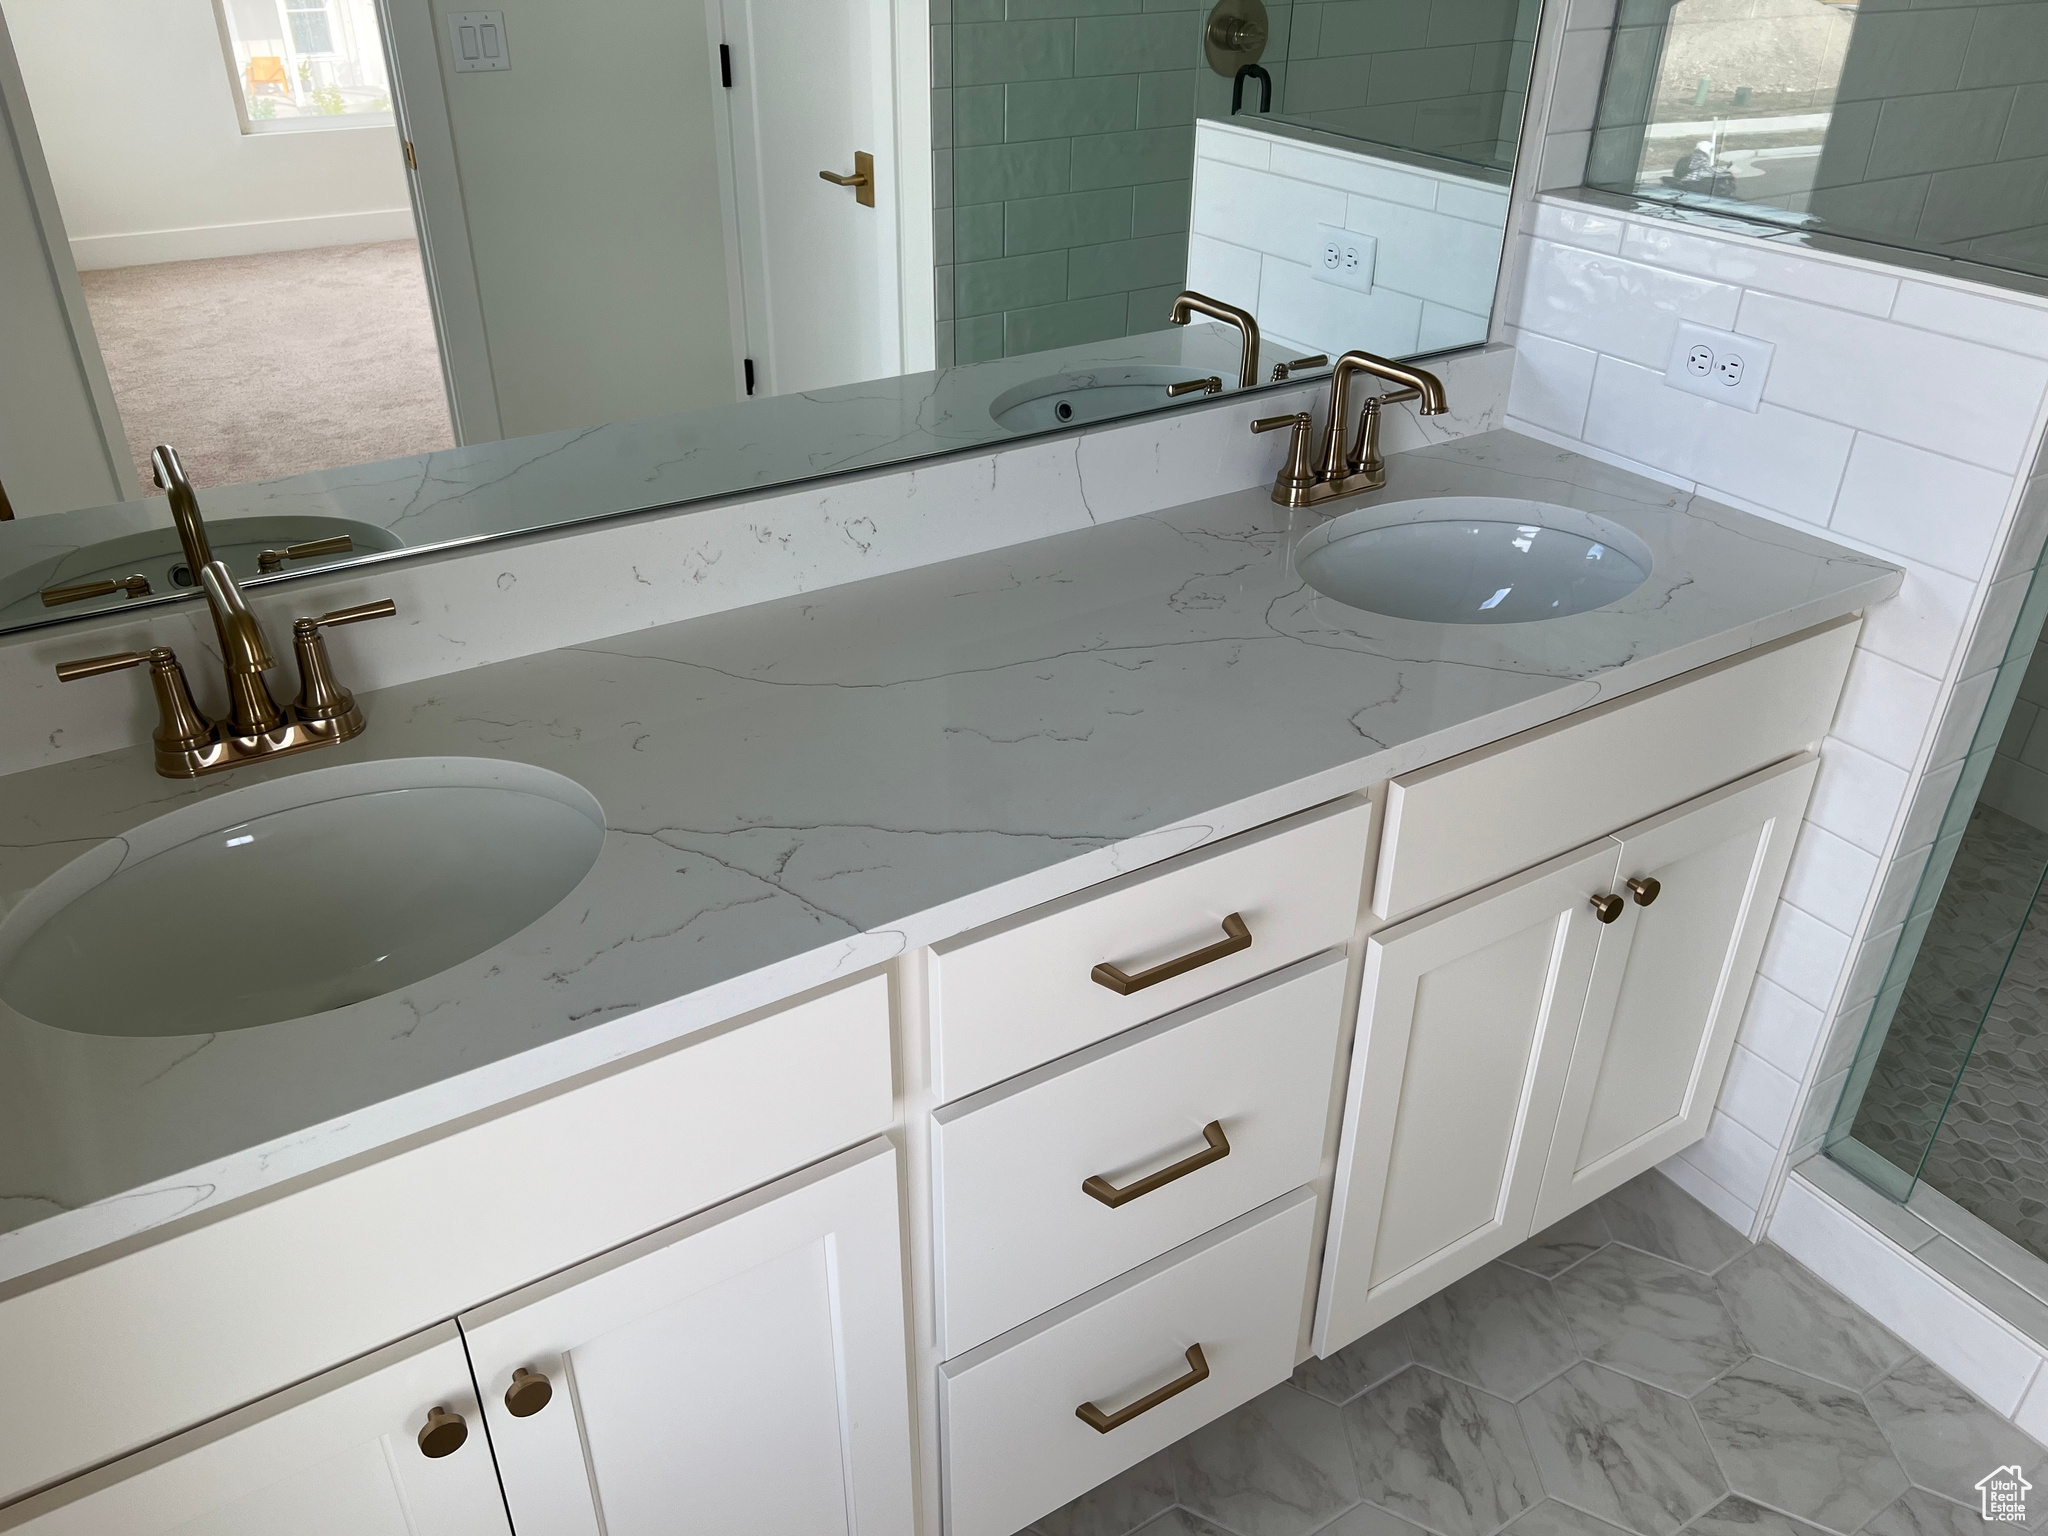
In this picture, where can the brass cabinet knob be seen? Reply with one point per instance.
(529, 1393)
(1607, 908)
(1645, 890)
(443, 1433)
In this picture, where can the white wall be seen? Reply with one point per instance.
(1258, 199)
(137, 114)
(590, 185)
(61, 443)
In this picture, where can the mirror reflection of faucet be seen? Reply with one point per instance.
(1191, 303)
(1334, 472)
(187, 743)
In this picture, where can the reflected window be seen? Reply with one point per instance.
(1913, 125)
(306, 64)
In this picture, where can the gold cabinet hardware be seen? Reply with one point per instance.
(529, 1393)
(134, 586)
(1295, 485)
(1236, 937)
(1102, 1423)
(1217, 1149)
(273, 559)
(862, 180)
(1607, 908)
(1282, 371)
(1645, 890)
(1213, 385)
(443, 1433)
(1190, 304)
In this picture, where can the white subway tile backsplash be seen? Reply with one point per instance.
(1994, 624)
(1737, 1159)
(1217, 266)
(1293, 304)
(1895, 892)
(1353, 173)
(1570, 225)
(1776, 458)
(1252, 150)
(1896, 381)
(1753, 264)
(1482, 205)
(1552, 383)
(1857, 795)
(1959, 722)
(1257, 209)
(1930, 803)
(1830, 877)
(1780, 1028)
(1737, 1213)
(1758, 1097)
(1886, 709)
(1921, 625)
(1621, 308)
(1920, 504)
(1804, 955)
(1422, 252)
(1998, 322)
(1444, 327)
(2029, 529)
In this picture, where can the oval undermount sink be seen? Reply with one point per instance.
(1094, 394)
(1473, 560)
(297, 896)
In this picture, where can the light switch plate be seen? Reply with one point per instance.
(476, 41)
(1343, 257)
(1719, 365)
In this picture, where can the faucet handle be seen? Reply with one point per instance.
(1297, 477)
(134, 586)
(320, 696)
(1283, 371)
(180, 728)
(1212, 385)
(273, 559)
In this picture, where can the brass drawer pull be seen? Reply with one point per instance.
(1218, 1149)
(1606, 908)
(1237, 937)
(1102, 1423)
(1645, 891)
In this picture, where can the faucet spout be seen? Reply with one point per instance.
(1191, 303)
(169, 475)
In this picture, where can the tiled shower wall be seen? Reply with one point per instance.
(1065, 140)
(2018, 781)
(1850, 438)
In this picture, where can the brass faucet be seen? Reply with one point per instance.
(1191, 303)
(187, 743)
(1334, 471)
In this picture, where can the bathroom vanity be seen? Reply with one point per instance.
(1019, 1008)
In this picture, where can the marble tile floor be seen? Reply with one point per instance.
(1640, 1369)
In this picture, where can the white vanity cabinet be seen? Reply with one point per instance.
(739, 1374)
(340, 1455)
(1525, 1049)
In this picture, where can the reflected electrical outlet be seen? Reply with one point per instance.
(1343, 257)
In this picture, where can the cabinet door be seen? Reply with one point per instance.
(1671, 981)
(742, 1373)
(339, 1455)
(1465, 1029)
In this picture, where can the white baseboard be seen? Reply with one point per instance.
(144, 248)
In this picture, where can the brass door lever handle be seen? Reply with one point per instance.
(862, 180)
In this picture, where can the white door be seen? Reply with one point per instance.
(1465, 1028)
(812, 86)
(1671, 981)
(341, 1455)
(742, 1373)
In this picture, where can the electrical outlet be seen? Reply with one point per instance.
(1719, 365)
(1344, 258)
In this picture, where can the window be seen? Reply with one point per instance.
(306, 64)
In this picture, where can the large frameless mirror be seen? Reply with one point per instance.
(394, 276)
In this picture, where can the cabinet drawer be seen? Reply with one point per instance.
(1015, 1447)
(1461, 824)
(1017, 1231)
(1024, 991)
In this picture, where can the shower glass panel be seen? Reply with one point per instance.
(1950, 1081)
(1920, 127)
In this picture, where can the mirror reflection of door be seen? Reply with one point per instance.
(817, 279)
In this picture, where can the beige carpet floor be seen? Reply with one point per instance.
(256, 366)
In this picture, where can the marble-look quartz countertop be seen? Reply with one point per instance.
(800, 789)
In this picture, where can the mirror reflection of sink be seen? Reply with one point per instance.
(290, 898)
(1473, 560)
(1097, 394)
(156, 554)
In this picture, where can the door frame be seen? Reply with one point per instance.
(419, 102)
